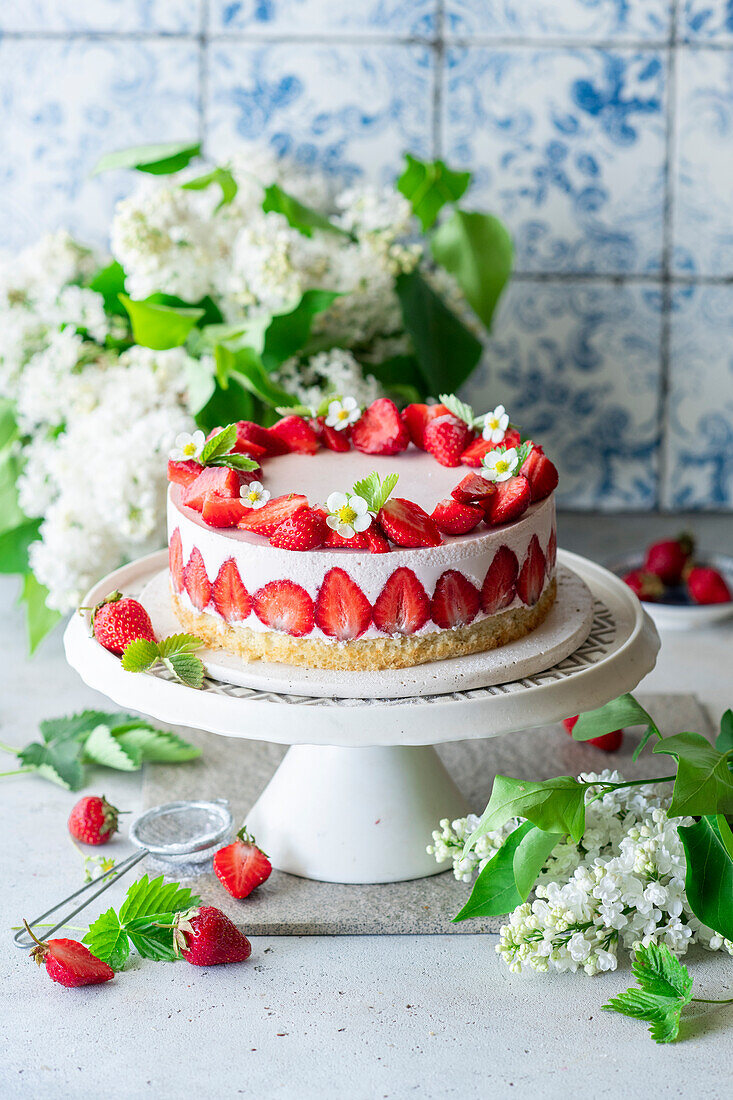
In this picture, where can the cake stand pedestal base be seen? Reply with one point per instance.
(361, 815)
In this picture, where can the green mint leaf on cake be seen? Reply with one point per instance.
(375, 490)
(145, 920)
(307, 411)
(665, 987)
(523, 451)
(235, 462)
(459, 408)
(175, 652)
(219, 444)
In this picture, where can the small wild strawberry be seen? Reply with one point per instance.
(93, 820)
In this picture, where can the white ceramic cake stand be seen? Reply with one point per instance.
(357, 795)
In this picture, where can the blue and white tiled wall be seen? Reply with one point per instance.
(600, 130)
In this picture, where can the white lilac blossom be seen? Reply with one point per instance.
(500, 465)
(335, 371)
(341, 414)
(188, 446)
(348, 514)
(495, 425)
(254, 495)
(623, 885)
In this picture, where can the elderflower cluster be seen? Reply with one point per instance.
(623, 885)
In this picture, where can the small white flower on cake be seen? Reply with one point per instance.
(187, 446)
(347, 514)
(254, 495)
(342, 413)
(495, 425)
(501, 465)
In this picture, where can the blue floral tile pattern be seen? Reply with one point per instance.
(701, 20)
(700, 431)
(150, 16)
(65, 103)
(584, 20)
(577, 365)
(324, 17)
(703, 198)
(350, 110)
(569, 149)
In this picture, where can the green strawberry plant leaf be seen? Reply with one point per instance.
(155, 746)
(665, 987)
(144, 921)
(219, 444)
(58, 761)
(101, 747)
(375, 490)
(140, 655)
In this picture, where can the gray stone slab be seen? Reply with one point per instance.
(287, 905)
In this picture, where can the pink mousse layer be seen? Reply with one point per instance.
(422, 480)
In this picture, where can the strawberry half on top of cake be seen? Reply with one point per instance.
(362, 539)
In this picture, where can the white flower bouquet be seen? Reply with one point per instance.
(233, 291)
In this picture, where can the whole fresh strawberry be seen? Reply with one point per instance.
(608, 742)
(119, 620)
(446, 438)
(206, 937)
(70, 963)
(667, 558)
(241, 867)
(647, 586)
(707, 586)
(93, 820)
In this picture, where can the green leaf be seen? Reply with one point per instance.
(246, 366)
(158, 326)
(110, 283)
(140, 655)
(704, 783)
(429, 185)
(102, 748)
(154, 942)
(159, 160)
(77, 727)
(621, 712)
(724, 740)
(221, 176)
(508, 877)
(147, 897)
(14, 546)
(57, 761)
(459, 408)
(187, 668)
(375, 490)
(236, 462)
(155, 746)
(11, 514)
(399, 375)
(300, 217)
(40, 619)
(200, 385)
(554, 805)
(179, 643)
(447, 353)
(219, 444)
(108, 940)
(709, 876)
(288, 332)
(233, 402)
(8, 426)
(665, 988)
(531, 856)
(477, 251)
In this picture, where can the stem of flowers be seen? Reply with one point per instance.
(712, 1001)
(9, 748)
(605, 787)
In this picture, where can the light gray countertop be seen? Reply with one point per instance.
(358, 1017)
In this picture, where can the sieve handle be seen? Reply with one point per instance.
(23, 940)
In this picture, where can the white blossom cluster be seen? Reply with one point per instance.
(623, 885)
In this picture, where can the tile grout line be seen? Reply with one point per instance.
(203, 75)
(438, 79)
(665, 344)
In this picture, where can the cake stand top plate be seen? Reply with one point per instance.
(617, 653)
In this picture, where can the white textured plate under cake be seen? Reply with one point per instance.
(564, 629)
(674, 616)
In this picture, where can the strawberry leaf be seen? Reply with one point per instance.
(179, 643)
(102, 748)
(186, 667)
(108, 940)
(375, 490)
(148, 898)
(57, 761)
(235, 462)
(458, 408)
(140, 655)
(79, 726)
(665, 988)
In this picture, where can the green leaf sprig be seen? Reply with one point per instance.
(114, 740)
(217, 451)
(177, 653)
(145, 922)
(375, 490)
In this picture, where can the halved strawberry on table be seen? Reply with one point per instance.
(455, 600)
(402, 607)
(296, 434)
(70, 963)
(219, 480)
(342, 611)
(231, 598)
(510, 501)
(241, 866)
(407, 524)
(453, 518)
(380, 429)
(266, 520)
(284, 605)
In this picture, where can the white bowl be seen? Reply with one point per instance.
(676, 616)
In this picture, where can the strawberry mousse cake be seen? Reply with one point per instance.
(352, 539)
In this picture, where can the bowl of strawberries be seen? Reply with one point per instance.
(678, 588)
